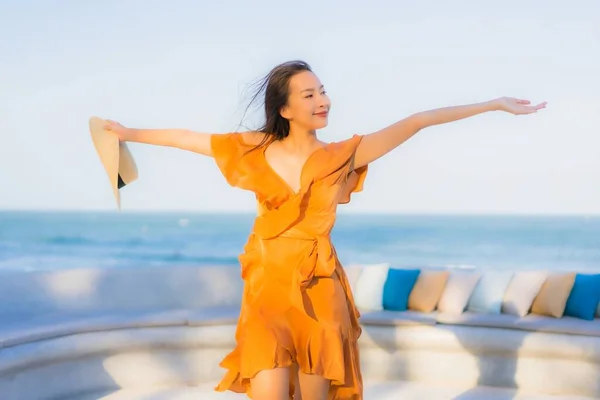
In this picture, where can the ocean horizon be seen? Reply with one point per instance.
(33, 240)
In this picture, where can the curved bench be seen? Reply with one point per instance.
(89, 330)
(79, 356)
(533, 354)
(83, 332)
(484, 330)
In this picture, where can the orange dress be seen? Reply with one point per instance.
(297, 305)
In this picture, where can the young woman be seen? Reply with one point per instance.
(298, 328)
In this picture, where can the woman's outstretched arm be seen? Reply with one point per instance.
(179, 138)
(378, 143)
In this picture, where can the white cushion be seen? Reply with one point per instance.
(458, 290)
(521, 291)
(352, 274)
(489, 292)
(369, 287)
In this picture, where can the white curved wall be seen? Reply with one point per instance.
(92, 331)
(26, 295)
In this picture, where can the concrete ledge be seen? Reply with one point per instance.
(111, 360)
(396, 318)
(183, 347)
(531, 322)
(373, 391)
(482, 340)
(539, 362)
(53, 326)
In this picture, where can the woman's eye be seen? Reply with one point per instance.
(310, 95)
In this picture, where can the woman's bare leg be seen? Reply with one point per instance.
(272, 384)
(313, 387)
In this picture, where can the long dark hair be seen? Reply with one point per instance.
(273, 89)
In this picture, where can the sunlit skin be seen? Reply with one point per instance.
(307, 111)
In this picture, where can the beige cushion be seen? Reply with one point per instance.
(522, 290)
(552, 298)
(427, 291)
(458, 290)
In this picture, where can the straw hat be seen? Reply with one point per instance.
(114, 156)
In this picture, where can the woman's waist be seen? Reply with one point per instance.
(304, 233)
(292, 247)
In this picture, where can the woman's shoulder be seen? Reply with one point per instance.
(239, 139)
(251, 138)
(233, 154)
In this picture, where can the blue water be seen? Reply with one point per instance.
(54, 240)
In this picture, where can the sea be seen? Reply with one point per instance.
(36, 240)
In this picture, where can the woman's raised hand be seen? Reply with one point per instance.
(517, 106)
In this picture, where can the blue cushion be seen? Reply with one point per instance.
(584, 297)
(488, 294)
(397, 288)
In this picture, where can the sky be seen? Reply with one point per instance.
(187, 64)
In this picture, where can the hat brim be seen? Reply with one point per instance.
(114, 156)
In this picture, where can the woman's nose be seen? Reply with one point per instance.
(324, 101)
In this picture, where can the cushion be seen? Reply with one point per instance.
(369, 287)
(397, 288)
(458, 290)
(585, 295)
(352, 274)
(489, 292)
(552, 298)
(521, 291)
(428, 290)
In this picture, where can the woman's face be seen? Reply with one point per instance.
(308, 104)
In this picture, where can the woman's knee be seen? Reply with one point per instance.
(313, 387)
(272, 384)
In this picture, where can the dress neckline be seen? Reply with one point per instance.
(302, 169)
